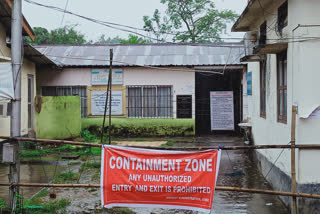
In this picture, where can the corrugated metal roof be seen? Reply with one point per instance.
(147, 54)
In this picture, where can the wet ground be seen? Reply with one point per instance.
(237, 169)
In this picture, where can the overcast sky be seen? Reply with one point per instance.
(126, 12)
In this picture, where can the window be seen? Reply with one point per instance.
(69, 91)
(3, 109)
(263, 33)
(282, 86)
(149, 101)
(184, 106)
(263, 97)
(282, 16)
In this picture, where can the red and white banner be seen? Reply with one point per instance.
(132, 177)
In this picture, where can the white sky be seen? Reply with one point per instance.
(126, 12)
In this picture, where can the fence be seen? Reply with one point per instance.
(293, 146)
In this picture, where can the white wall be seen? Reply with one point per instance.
(303, 88)
(183, 83)
(27, 68)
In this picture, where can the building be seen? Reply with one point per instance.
(149, 80)
(32, 58)
(282, 44)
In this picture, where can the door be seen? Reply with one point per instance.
(184, 106)
(30, 101)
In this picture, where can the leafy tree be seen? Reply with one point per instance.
(133, 40)
(64, 35)
(195, 20)
(109, 40)
(154, 25)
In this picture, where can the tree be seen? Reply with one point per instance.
(196, 21)
(109, 40)
(64, 35)
(154, 25)
(134, 40)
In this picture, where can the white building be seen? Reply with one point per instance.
(32, 58)
(149, 80)
(282, 49)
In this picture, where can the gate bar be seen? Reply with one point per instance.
(77, 143)
(218, 188)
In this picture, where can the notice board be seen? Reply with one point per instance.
(133, 177)
(98, 102)
(101, 77)
(222, 110)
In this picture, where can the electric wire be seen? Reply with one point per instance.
(65, 8)
(122, 27)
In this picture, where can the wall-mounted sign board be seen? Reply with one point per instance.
(101, 77)
(98, 101)
(222, 111)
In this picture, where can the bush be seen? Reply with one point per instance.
(131, 127)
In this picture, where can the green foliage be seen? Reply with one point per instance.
(88, 137)
(29, 145)
(65, 177)
(159, 27)
(3, 204)
(132, 127)
(43, 208)
(196, 21)
(109, 40)
(64, 35)
(133, 40)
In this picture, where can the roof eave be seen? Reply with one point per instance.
(27, 29)
(249, 15)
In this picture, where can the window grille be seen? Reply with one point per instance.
(263, 97)
(282, 16)
(149, 101)
(282, 86)
(69, 91)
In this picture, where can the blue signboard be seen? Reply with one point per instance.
(249, 83)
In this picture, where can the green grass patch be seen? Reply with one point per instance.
(142, 127)
(50, 207)
(66, 177)
(90, 165)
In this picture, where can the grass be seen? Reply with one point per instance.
(50, 207)
(90, 165)
(41, 207)
(169, 143)
(65, 177)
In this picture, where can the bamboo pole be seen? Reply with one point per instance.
(253, 147)
(218, 188)
(110, 100)
(293, 159)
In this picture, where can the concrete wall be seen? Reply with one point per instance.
(302, 88)
(181, 81)
(60, 118)
(27, 68)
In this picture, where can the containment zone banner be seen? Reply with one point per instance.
(133, 177)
